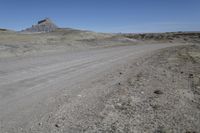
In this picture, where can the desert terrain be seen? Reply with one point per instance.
(69, 80)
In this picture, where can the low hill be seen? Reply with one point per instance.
(167, 37)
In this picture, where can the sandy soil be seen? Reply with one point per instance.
(14, 44)
(160, 94)
(73, 92)
(81, 81)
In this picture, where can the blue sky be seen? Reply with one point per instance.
(104, 15)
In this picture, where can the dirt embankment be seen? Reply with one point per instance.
(181, 37)
(161, 94)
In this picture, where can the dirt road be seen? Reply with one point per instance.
(36, 88)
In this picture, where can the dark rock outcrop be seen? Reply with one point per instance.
(3, 29)
(45, 25)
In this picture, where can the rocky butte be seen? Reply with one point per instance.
(45, 25)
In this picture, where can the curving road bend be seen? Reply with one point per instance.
(28, 84)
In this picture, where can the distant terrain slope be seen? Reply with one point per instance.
(60, 80)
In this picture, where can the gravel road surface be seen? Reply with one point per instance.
(35, 88)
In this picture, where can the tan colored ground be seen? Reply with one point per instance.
(23, 44)
(160, 93)
(78, 81)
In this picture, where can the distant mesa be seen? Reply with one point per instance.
(45, 25)
(3, 29)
